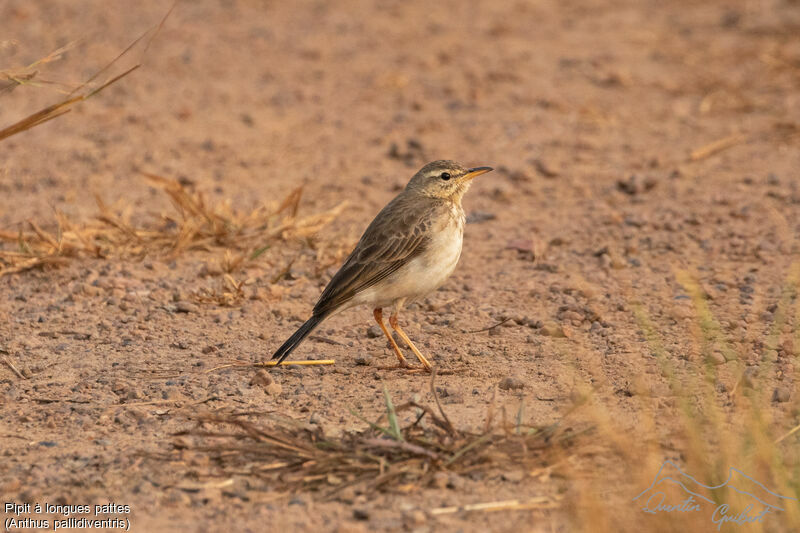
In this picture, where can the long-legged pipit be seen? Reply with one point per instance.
(409, 250)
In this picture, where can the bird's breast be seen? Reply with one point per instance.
(426, 271)
(432, 267)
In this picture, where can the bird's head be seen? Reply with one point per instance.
(444, 179)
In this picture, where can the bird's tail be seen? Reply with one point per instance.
(297, 337)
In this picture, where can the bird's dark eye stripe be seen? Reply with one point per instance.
(445, 176)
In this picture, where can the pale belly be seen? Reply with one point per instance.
(422, 275)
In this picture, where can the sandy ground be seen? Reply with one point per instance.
(631, 140)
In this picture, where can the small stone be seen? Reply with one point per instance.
(360, 514)
(533, 323)
(413, 519)
(515, 476)
(185, 307)
(456, 482)
(636, 185)
(781, 394)
(347, 495)
(374, 332)
(716, 358)
(476, 217)
(262, 379)
(363, 360)
(552, 329)
(524, 248)
(547, 169)
(440, 480)
(454, 397)
(511, 383)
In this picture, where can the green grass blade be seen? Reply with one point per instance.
(392, 415)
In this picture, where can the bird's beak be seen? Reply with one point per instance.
(475, 172)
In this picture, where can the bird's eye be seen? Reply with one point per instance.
(445, 176)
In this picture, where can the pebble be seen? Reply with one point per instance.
(514, 476)
(552, 329)
(274, 389)
(635, 184)
(476, 217)
(440, 480)
(261, 378)
(414, 518)
(454, 397)
(573, 316)
(781, 394)
(363, 360)
(456, 482)
(717, 358)
(374, 332)
(185, 307)
(360, 514)
(511, 383)
(547, 169)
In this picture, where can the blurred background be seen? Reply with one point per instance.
(638, 238)
(255, 97)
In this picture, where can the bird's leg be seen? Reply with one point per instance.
(396, 327)
(378, 314)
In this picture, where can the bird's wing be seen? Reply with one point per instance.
(398, 234)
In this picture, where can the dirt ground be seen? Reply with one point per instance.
(632, 141)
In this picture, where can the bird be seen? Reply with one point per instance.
(409, 250)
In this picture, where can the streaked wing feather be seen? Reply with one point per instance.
(396, 235)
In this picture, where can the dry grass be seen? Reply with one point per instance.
(29, 75)
(713, 430)
(292, 456)
(194, 225)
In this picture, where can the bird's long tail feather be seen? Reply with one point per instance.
(297, 337)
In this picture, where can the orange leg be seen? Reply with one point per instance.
(396, 327)
(378, 314)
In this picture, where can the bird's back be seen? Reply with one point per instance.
(402, 231)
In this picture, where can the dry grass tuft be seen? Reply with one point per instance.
(12, 78)
(194, 225)
(716, 429)
(293, 456)
(29, 75)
